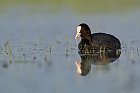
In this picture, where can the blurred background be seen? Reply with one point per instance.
(38, 49)
(48, 18)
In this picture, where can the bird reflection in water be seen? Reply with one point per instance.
(95, 57)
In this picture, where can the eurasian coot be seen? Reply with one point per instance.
(96, 41)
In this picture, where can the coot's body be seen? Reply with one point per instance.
(96, 41)
(99, 40)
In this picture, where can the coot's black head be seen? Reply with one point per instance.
(83, 30)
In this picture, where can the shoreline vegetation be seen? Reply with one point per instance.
(80, 6)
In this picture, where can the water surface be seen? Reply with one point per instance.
(38, 50)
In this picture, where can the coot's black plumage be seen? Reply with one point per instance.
(96, 40)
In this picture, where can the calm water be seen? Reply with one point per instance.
(38, 51)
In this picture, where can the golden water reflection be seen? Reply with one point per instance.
(98, 58)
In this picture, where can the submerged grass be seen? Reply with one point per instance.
(31, 52)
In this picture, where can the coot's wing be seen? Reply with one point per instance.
(105, 40)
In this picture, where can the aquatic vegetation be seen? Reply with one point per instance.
(31, 51)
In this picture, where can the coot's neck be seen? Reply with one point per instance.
(88, 40)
